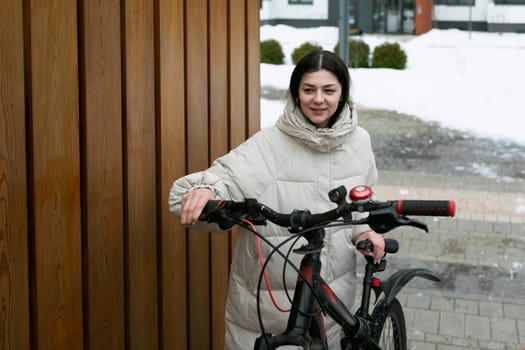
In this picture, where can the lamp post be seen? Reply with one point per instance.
(343, 30)
(470, 19)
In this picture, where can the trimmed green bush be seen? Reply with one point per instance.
(304, 50)
(271, 52)
(389, 55)
(358, 53)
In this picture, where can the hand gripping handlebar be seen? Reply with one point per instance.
(383, 215)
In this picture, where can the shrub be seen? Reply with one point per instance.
(304, 50)
(358, 53)
(271, 52)
(389, 55)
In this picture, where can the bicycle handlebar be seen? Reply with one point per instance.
(383, 215)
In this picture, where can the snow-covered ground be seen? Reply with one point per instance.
(471, 82)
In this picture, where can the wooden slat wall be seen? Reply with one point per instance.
(102, 184)
(54, 174)
(171, 133)
(102, 105)
(218, 101)
(14, 238)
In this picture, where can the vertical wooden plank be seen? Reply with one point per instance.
(171, 109)
(140, 165)
(55, 175)
(14, 288)
(237, 69)
(236, 79)
(197, 159)
(253, 59)
(218, 43)
(101, 120)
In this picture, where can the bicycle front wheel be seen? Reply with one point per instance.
(392, 334)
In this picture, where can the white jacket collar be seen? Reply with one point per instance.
(295, 124)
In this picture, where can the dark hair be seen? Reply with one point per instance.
(315, 61)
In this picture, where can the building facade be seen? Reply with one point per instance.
(400, 16)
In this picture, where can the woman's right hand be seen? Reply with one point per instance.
(193, 203)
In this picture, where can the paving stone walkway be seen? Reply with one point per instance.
(479, 255)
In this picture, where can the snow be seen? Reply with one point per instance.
(468, 81)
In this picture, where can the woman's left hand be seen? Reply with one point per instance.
(379, 245)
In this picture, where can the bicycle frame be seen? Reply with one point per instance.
(306, 321)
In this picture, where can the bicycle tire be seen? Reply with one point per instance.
(388, 326)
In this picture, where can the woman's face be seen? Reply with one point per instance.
(319, 95)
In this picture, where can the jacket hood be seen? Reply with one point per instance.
(294, 123)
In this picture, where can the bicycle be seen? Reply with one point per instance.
(313, 298)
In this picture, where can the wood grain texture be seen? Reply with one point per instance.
(14, 259)
(103, 216)
(103, 104)
(253, 60)
(237, 69)
(219, 143)
(197, 109)
(140, 180)
(171, 107)
(56, 175)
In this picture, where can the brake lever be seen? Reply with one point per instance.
(217, 216)
(415, 223)
(386, 219)
(258, 220)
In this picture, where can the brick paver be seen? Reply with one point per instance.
(487, 238)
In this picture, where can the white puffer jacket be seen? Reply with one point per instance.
(291, 165)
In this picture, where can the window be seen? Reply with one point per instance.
(455, 2)
(509, 2)
(300, 2)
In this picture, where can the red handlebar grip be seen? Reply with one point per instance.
(426, 207)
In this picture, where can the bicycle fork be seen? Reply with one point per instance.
(392, 286)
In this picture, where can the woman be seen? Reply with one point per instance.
(314, 147)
